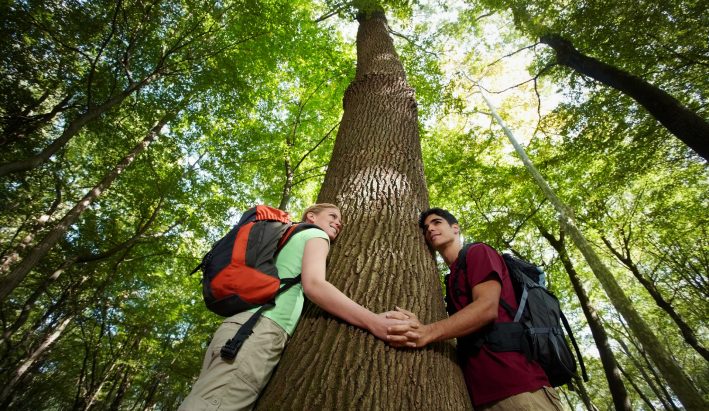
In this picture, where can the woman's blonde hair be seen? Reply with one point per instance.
(317, 208)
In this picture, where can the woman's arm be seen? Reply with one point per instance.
(332, 300)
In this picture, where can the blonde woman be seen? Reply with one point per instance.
(236, 384)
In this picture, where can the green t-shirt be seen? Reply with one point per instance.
(289, 262)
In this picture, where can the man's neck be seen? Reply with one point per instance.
(450, 251)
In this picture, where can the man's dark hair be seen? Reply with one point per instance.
(445, 214)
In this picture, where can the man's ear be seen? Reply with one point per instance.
(456, 229)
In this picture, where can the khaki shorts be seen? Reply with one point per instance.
(545, 398)
(235, 385)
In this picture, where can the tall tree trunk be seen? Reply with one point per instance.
(684, 123)
(12, 255)
(70, 131)
(18, 273)
(122, 389)
(9, 387)
(669, 398)
(615, 382)
(664, 398)
(637, 389)
(680, 383)
(287, 184)
(32, 299)
(576, 384)
(92, 396)
(380, 259)
(625, 257)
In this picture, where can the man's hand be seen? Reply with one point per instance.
(392, 326)
(417, 337)
(482, 311)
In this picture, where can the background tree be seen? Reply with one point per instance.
(107, 319)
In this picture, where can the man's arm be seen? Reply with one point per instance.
(479, 313)
(329, 298)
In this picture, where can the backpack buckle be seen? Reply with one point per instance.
(229, 350)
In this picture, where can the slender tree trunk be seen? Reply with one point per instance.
(47, 321)
(32, 299)
(152, 390)
(655, 375)
(637, 389)
(680, 383)
(577, 385)
(687, 332)
(33, 357)
(70, 131)
(13, 279)
(649, 380)
(92, 397)
(380, 260)
(122, 389)
(684, 123)
(12, 256)
(287, 184)
(129, 347)
(615, 382)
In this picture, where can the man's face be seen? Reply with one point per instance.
(438, 232)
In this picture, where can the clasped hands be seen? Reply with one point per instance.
(406, 330)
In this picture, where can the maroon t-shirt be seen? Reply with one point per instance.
(490, 376)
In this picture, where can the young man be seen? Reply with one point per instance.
(495, 380)
(235, 385)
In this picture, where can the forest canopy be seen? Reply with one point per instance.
(134, 133)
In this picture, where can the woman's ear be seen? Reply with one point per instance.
(310, 217)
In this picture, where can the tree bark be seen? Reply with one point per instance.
(380, 260)
(684, 123)
(12, 255)
(680, 383)
(122, 389)
(610, 366)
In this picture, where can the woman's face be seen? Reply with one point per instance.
(329, 219)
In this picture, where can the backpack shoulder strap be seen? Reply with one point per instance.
(293, 230)
(232, 346)
(462, 262)
(576, 347)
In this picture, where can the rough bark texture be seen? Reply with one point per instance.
(684, 123)
(380, 260)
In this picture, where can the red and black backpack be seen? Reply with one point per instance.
(239, 272)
